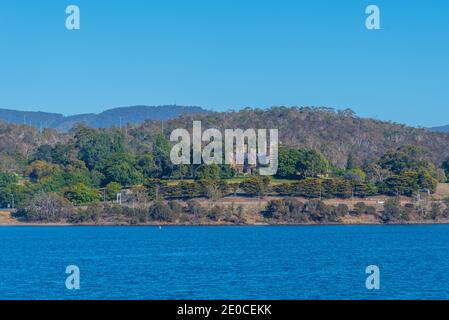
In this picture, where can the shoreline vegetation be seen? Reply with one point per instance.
(29, 224)
(242, 211)
(342, 170)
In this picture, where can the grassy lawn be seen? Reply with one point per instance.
(442, 191)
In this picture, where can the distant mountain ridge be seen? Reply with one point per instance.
(441, 129)
(111, 117)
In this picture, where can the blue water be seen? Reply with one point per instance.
(298, 262)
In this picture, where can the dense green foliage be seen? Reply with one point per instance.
(88, 166)
(98, 159)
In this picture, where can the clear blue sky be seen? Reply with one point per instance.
(225, 54)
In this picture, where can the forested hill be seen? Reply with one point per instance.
(336, 134)
(108, 118)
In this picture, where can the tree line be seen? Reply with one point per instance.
(88, 166)
(97, 165)
(52, 208)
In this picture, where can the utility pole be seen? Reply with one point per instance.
(12, 201)
(157, 192)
